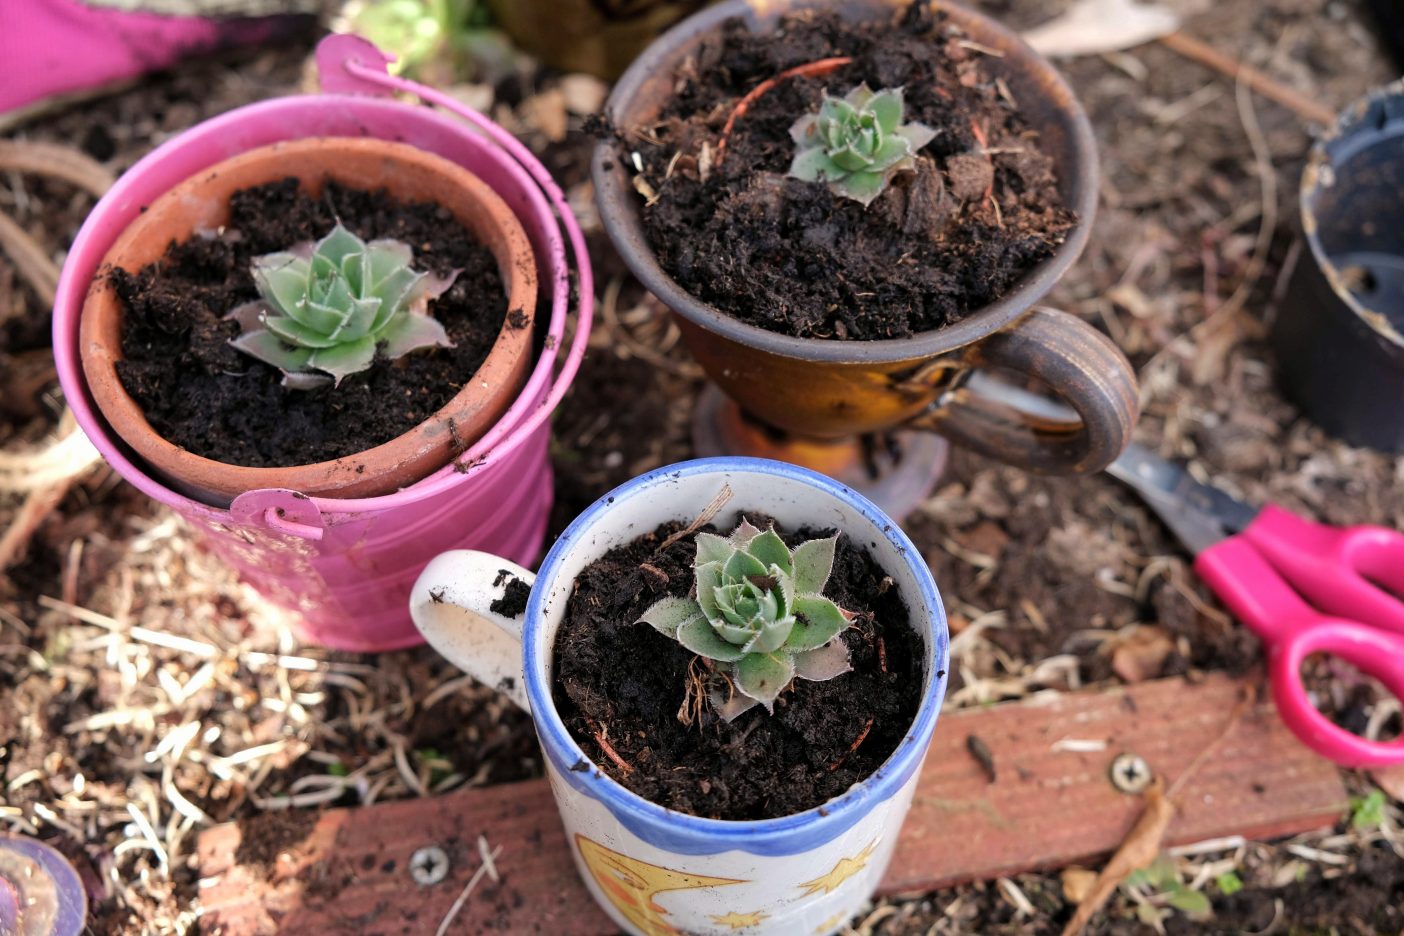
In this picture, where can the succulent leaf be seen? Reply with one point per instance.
(698, 636)
(822, 622)
(814, 560)
(857, 143)
(823, 663)
(325, 308)
(758, 614)
(762, 675)
(669, 615)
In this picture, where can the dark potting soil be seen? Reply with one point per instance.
(622, 681)
(980, 210)
(514, 595)
(201, 394)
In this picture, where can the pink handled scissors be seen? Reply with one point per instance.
(1304, 588)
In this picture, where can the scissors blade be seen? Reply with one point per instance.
(1198, 515)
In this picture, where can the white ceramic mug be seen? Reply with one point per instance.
(653, 870)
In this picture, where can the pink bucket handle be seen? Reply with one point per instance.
(282, 511)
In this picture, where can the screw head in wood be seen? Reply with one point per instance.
(1130, 773)
(429, 865)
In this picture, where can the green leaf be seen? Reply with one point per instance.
(887, 107)
(918, 135)
(740, 566)
(771, 636)
(295, 333)
(698, 636)
(267, 348)
(1189, 901)
(344, 359)
(409, 332)
(762, 676)
(892, 151)
(336, 245)
(813, 561)
(667, 615)
(860, 98)
(837, 112)
(1367, 812)
(822, 621)
(771, 550)
(740, 636)
(814, 165)
(862, 186)
(712, 548)
(708, 577)
(281, 280)
(1228, 883)
(396, 292)
(361, 315)
(849, 159)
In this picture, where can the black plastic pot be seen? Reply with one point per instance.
(1340, 334)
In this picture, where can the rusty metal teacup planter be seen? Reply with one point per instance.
(827, 389)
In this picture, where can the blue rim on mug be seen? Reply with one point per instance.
(683, 833)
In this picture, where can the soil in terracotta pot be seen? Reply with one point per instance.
(980, 210)
(624, 682)
(201, 394)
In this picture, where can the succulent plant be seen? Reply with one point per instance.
(857, 143)
(324, 308)
(759, 614)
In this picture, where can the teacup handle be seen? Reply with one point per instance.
(451, 605)
(1080, 431)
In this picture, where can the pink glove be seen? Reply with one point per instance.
(54, 48)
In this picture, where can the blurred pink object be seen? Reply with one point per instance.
(57, 48)
(346, 566)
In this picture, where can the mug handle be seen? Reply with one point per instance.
(451, 604)
(1080, 432)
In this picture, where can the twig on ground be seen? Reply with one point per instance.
(468, 889)
(708, 513)
(1199, 51)
(867, 727)
(611, 753)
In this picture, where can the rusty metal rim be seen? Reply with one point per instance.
(619, 209)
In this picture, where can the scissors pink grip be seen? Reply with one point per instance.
(1277, 573)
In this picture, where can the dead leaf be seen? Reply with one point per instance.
(1077, 884)
(583, 94)
(1391, 780)
(547, 112)
(1141, 655)
(1138, 850)
(1092, 27)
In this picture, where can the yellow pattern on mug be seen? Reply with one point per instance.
(842, 871)
(630, 885)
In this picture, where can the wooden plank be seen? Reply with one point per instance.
(1050, 805)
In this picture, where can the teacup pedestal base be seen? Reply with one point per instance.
(896, 471)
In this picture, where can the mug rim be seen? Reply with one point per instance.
(624, 223)
(818, 824)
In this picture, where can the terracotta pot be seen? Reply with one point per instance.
(829, 388)
(202, 202)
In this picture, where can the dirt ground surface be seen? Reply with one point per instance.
(145, 693)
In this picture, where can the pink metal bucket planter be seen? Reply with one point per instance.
(346, 567)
